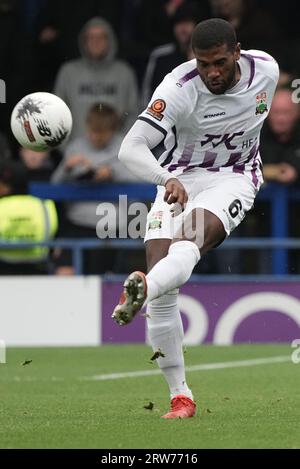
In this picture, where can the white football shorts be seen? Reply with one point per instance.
(227, 195)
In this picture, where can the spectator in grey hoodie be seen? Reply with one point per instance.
(97, 77)
(93, 159)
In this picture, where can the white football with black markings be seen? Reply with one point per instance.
(41, 121)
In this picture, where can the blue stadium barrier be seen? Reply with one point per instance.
(77, 246)
(106, 192)
(278, 196)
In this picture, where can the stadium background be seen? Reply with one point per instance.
(246, 292)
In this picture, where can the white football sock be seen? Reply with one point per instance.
(173, 270)
(166, 333)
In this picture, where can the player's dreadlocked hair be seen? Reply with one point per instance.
(213, 33)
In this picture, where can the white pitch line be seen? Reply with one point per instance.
(137, 374)
(201, 367)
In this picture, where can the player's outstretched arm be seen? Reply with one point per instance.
(135, 153)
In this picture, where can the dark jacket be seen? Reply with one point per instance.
(273, 151)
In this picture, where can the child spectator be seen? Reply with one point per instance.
(93, 159)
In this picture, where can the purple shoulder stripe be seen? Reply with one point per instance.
(189, 76)
(252, 67)
(262, 58)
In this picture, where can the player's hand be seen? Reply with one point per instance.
(175, 193)
(77, 160)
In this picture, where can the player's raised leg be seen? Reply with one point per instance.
(174, 269)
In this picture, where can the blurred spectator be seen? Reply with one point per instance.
(93, 159)
(280, 139)
(16, 60)
(164, 58)
(157, 16)
(58, 26)
(286, 14)
(5, 151)
(256, 27)
(97, 77)
(30, 11)
(13, 178)
(270, 26)
(23, 217)
(285, 79)
(39, 165)
(280, 152)
(153, 27)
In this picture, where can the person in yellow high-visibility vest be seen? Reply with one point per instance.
(23, 218)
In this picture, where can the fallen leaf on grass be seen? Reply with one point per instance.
(27, 362)
(205, 411)
(149, 406)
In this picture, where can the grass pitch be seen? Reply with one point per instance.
(53, 402)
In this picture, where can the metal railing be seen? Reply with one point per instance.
(78, 246)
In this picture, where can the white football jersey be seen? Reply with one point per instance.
(215, 132)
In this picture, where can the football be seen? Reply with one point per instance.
(41, 121)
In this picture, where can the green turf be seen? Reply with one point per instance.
(45, 404)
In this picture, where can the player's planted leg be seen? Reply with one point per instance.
(166, 334)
